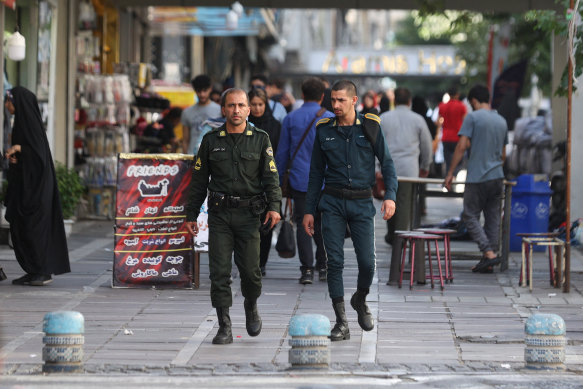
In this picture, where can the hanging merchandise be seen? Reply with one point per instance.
(16, 46)
(87, 16)
(102, 133)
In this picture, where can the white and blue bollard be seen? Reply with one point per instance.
(63, 340)
(545, 342)
(310, 341)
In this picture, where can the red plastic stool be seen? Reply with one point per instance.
(409, 239)
(445, 232)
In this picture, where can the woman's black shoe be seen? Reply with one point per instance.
(24, 280)
(40, 280)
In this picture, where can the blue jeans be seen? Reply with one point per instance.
(483, 197)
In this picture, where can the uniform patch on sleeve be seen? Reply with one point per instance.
(269, 151)
(198, 164)
(272, 166)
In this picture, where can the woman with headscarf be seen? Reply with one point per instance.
(369, 102)
(262, 118)
(33, 207)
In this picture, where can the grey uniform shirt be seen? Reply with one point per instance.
(408, 139)
(193, 116)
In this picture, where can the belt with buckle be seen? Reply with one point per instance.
(223, 200)
(350, 194)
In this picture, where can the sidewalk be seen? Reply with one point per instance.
(475, 326)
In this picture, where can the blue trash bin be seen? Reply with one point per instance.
(530, 208)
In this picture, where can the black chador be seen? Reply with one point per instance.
(33, 208)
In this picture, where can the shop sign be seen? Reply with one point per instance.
(405, 61)
(152, 244)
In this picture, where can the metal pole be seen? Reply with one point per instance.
(567, 286)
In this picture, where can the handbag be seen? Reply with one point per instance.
(286, 241)
(378, 190)
(285, 186)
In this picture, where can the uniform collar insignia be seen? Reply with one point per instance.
(223, 133)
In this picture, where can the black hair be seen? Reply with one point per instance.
(174, 113)
(326, 102)
(231, 91)
(402, 96)
(384, 103)
(453, 91)
(346, 85)
(279, 83)
(259, 77)
(200, 82)
(419, 106)
(479, 92)
(313, 89)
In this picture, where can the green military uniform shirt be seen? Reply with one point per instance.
(240, 165)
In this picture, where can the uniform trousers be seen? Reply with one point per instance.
(359, 214)
(233, 230)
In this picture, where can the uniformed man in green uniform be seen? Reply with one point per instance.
(343, 159)
(244, 182)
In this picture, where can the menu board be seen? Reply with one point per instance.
(201, 240)
(152, 245)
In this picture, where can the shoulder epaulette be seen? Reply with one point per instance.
(322, 121)
(371, 127)
(259, 130)
(374, 117)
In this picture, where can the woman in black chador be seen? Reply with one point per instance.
(33, 207)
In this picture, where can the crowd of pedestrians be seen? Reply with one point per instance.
(329, 143)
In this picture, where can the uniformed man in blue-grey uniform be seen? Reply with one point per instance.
(343, 159)
(243, 184)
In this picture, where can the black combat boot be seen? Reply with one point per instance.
(358, 302)
(224, 335)
(340, 330)
(252, 318)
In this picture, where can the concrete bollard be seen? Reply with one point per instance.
(545, 342)
(63, 340)
(309, 342)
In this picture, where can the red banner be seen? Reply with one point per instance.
(9, 3)
(152, 245)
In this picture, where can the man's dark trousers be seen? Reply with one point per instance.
(359, 214)
(304, 241)
(233, 230)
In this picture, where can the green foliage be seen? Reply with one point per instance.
(71, 189)
(530, 38)
(552, 22)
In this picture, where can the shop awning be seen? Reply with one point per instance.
(9, 3)
(205, 21)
